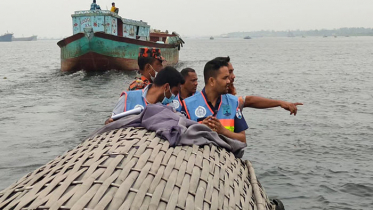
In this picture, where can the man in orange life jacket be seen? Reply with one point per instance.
(150, 63)
(188, 89)
(164, 89)
(256, 101)
(213, 106)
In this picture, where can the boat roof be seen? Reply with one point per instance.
(85, 13)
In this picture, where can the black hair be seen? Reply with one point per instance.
(212, 68)
(168, 75)
(142, 61)
(94, 1)
(227, 59)
(113, 3)
(185, 72)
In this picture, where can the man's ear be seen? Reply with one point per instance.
(147, 67)
(212, 81)
(166, 86)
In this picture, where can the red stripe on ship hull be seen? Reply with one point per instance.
(97, 62)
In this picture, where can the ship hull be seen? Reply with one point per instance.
(31, 38)
(100, 52)
(6, 38)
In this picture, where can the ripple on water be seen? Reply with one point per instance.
(361, 190)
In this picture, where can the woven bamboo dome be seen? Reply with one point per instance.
(133, 169)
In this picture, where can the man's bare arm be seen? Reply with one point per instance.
(241, 136)
(264, 103)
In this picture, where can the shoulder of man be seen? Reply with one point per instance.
(188, 101)
(240, 100)
(138, 84)
(192, 98)
(230, 96)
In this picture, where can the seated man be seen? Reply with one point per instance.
(256, 101)
(150, 63)
(213, 106)
(113, 8)
(95, 6)
(164, 89)
(189, 88)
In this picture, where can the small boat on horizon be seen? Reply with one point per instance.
(211, 38)
(247, 37)
(224, 36)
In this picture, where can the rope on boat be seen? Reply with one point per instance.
(133, 169)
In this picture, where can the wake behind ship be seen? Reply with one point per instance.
(102, 40)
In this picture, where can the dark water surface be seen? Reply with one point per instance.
(320, 159)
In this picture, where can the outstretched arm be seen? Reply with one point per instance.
(263, 103)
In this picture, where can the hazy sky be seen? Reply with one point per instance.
(52, 18)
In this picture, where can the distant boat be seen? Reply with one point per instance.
(247, 37)
(303, 36)
(211, 38)
(31, 38)
(6, 37)
(325, 36)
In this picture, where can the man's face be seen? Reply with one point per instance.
(157, 65)
(174, 90)
(222, 80)
(231, 73)
(191, 82)
(232, 89)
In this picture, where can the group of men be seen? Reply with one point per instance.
(215, 106)
(95, 6)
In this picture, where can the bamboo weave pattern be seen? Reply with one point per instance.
(133, 169)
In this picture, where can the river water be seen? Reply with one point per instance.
(319, 159)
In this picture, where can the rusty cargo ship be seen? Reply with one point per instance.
(102, 40)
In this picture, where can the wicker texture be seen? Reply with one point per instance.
(133, 169)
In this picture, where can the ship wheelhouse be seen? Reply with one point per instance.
(109, 23)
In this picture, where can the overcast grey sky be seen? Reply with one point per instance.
(52, 18)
